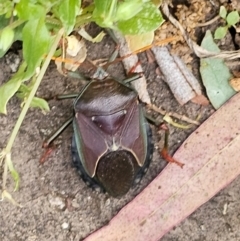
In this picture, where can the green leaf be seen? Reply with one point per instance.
(6, 38)
(8, 89)
(27, 10)
(223, 12)
(23, 93)
(40, 103)
(102, 7)
(215, 75)
(147, 20)
(104, 13)
(36, 101)
(36, 40)
(128, 9)
(17, 33)
(5, 6)
(67, 12)
(220, 32)
(17, 36)
(232, 18)
(3, 24)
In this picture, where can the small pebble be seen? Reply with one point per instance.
(65, 225)
(57, 202)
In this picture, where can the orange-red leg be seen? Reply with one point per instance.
(164, 151)
(46, 154)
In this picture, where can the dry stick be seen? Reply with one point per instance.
(198, 50)
(173, 114)
(208, 22)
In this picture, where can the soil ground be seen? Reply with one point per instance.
(58, 205)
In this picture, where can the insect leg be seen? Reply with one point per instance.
(48, 141)
(164, 152)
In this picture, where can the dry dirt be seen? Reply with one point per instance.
(57, 204)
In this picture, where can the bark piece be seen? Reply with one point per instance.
(140, 85)
(181, 81)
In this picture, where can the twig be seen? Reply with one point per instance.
(173, 114)
(208, 22)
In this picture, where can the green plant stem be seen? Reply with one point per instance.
(28, 102)
(16, 23)
(33, 91)
(5, 171)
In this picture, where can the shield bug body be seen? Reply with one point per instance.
(111, 144)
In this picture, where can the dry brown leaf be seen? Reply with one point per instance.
(211, 157)
(235, 83)
(76, 53)
(201, 100)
